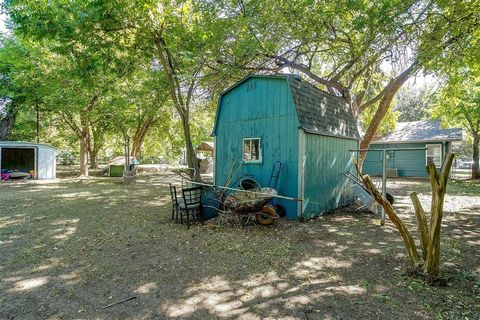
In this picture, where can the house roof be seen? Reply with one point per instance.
(421, 131)
(205, 146)
(318, 112)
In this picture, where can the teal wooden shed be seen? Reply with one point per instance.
(265, 119)
(432, 142)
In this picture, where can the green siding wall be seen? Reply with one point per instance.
(326, 160)
(409, 163)
(259, 108)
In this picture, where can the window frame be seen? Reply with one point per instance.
(437, 145)
(259, 160)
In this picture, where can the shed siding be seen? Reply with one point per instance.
(325, 186)
(259, 109)
(409, 163)
(46, 164)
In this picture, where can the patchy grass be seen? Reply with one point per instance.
(464, 187)
(72, 171)
(454, 187)
(71, 246)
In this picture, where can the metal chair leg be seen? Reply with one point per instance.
(200, 215)
(176, 214)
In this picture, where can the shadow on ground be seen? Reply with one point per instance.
(70, 247)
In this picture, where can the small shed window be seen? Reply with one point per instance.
(252, 150)
(434, 154)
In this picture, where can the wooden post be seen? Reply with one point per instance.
(429, 233)
(422, 224)
(439, 188)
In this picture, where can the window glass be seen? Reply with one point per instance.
(434, 154)
(252, 149)
(255, 149)
(247, 154)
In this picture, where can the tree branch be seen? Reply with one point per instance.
(422, 223)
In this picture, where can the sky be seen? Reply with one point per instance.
(3, 18)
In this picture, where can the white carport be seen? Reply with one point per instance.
(34, 158)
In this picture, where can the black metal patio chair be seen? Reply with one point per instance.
(191, 205)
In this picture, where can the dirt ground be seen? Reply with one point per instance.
(70, 247)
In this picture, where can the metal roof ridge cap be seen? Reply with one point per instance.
(415, 141)
(27, 143)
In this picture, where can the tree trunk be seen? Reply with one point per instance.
(439, 188)
(140, 135)
(402, 228)
(93, 155)
(96, 141)
(422, 224)
(6, 126)
(84, 146)
(137, 143)
(433, 254)
(190, 155)
(182, 106)
(475, 165)
(389, 93)
(430, 239)
(37, 124)
(93, 150)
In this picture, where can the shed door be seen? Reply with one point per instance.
(21, 159)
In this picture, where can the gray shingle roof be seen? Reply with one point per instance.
(421, 131)
(321, 113)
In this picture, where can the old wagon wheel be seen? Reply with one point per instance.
(267, 215)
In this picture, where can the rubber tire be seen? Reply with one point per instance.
(390, 198)
(269, 210)
(281, 211)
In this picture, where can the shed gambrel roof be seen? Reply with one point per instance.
(321, 113)
(421, 131)
(318, 112)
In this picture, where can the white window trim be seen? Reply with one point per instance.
(441, 153)
(259, 150)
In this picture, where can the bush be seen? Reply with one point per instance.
(66, 158)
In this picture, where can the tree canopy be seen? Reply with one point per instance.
(459, 105)
(87, 66)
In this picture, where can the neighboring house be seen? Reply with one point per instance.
(207, 146)
(34, 158)
(264, 119)
(437, 143)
